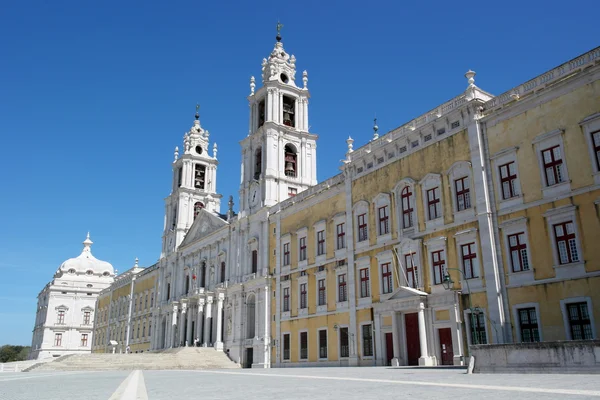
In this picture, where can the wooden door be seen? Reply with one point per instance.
(389, 348)
(413, 347)
(446, 350)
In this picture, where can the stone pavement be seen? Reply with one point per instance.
(297, 383)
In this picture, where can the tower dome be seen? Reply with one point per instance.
(86, 263)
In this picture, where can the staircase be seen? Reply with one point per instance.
(183, 358)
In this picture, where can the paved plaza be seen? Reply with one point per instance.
(296, 383)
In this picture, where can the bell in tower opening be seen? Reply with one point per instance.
(199, 175)
(288, 111)
(290, 161)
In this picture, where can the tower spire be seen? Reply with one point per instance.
(279, 26)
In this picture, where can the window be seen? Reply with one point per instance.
(286, 254)
(341, 236)
(553, 165)
(407, 209)
(362, 227)
(367, 341)
(579, 321)
(146, 301)
(342, 290)
(384, 227)
(286, 299)
(303, 345)
(478, 335)
(288, 111)
(144, 330)
(323, 343)
(518, 252)
(433, 203)
(528, 325)
(261, 113)
(441, 131)
(254, 261)
(439, 266)
(386, 278)
(152, 299)
(468, 254)
(344, 343)
(168, 291)
(197, 207)
(286, 346)
(303, 295)
(455, 125)
(302, 252)
(290, 161)
(411, 270)
(58, 339)
(222, 271)
(364, 283)
(61, 317)
(199, 176)
(86, 317)
(258, 163)
(320, 243)
(292, 192)
(84, 340)
(150, 328)
(463, 197)
(322, 292)
(566, 243)
(508, 180)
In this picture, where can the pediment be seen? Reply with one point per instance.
(204, 224)
(404, 292)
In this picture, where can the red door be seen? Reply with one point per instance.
(389, 347)
(446, 346)
(413, 348)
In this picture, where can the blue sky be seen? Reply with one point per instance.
(96, 95)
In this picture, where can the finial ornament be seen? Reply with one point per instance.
(252, 85)
(176, 153)
(279, 26)
(350, 142)
(136, 262)
(375, 129)
(215, 150)
(197, 111)
(305, 78)
(470, 75)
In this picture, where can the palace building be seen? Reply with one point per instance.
(473, 223)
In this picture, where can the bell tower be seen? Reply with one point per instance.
(194, 185)
(279, 156)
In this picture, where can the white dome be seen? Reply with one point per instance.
(87, 262)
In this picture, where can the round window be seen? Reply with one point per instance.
(71, 271)
(106, 273)
(199, 149)
(284, 78)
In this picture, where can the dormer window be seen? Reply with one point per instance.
(199, 176)
(197, 207)
(258, 163)
(261, 113)
(288, 111)
(71, 271)
(290, 161)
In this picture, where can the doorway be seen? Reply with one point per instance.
(249, 355)
(413, 346)
(446, 349)
(389, 348)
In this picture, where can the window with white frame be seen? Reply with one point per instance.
(580, 324)
(340, 231)
(286, 299)
(361, 216)
(506, 177)
(60, 316)
(365, 285)
(367, 340)
(412, 270)
(553, 165)
(322, 292)
(382, 211)
(342, 288)
(434, 203)
(463, 193)
(87, 317)
(320, 242)
(517, 250)
(562, 226)
(459, 176)
(516, 246)
(302, 249)
(58, 339)
(407, 207)
(286, 254)
(591, 129)
(468, 260)
(286, 346)
(438, 260)
(84, 340)
(387, 278)
(467, 249)
(553, 168)
(362, 227)
(477, 329)
(508, 180)
(303, 295)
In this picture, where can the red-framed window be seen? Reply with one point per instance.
(386, 278)
(365, 286)
(342, 290)
(367, 340)
(87, 317)
(407, 208)
(579, 321)
(254, 261)
(320, 243)
(596, 144)
(412, 274)
(61, 317)
(566, 242)
(478, 335)
(292, 192)
(528, 325)
(286, 346)
(463, 194)
(384, 226)
(84, 340)
(322, 292)
(434, 207)
(439, 266)
(341, 236)
(286, 254)
(222, 271)
(362, 227)
(508, 180)
(303, 295)
(553, 165)
(518, 252)
(303, 345)
(286, 299)
(302, 246)
(469, 255)
(58, 339)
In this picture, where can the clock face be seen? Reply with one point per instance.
(254, 198)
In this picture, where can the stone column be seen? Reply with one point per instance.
(181, 325)
(207, 319)
(425, 359)
(199, 325)
(396, 361)
(219, 341)
(173, 332)
(380, 360)
(188, 335)
(457, 344)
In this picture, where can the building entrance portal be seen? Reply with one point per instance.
(413, 349)
(389, 348)
(446, 346)
(249, 355)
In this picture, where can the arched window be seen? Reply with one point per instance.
(222, 271)
(291, 165)
(187, 284)
(407, 207)
(197, 207)
(258, 163)
(250, 318)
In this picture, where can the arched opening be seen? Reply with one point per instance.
(187, 284)
(222, 271)
(290, 161)
(250, 317)
(197, 207)
(261, 113)
(289, 105)
(203, 274)
(258, 163)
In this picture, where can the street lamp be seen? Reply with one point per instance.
(448, 284)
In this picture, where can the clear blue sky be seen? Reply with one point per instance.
(95, 96)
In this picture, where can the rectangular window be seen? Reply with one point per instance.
(286, 299)
(553, 165)
(455, 125)
(386, 278)
(152, 300)
(566, 242)
(344, 347)
(596, 144)
(286, 346)
(61, 317)
(367, 342)
(433, 203)
(579, 321)
(528, 325)
(303, 295)
(222, 271)
(58, 339)
(365, 286)
(322, 293)
(342, 291)
(286, 254)
(323, 343)
(86, 317)
(439, 266)
(508, 180)
(302, 252)
(362, 227)
(518, 252)
(407, 209)
(341, 236)
(84, 340)
(463, 195)
(468, 259)
(292, 192)
(303, 345)
(320, 243)
(411, 270)
(478, 334)
(384, 226)
(254, 261)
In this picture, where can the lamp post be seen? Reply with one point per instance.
(448, 284)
